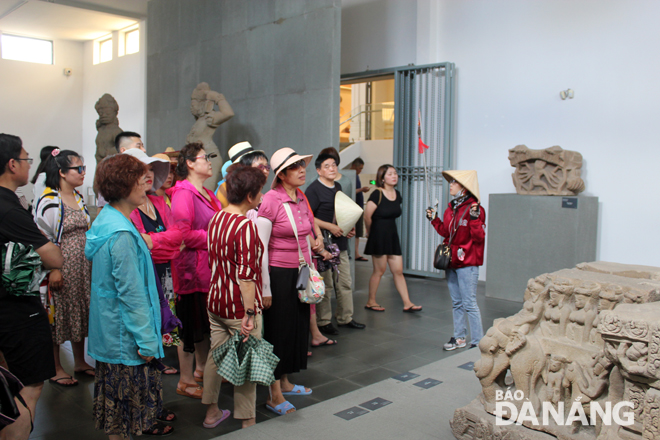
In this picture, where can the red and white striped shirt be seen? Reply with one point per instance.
(234, 254)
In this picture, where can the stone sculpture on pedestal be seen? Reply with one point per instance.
(588, 336)
(107, 126)
(203, 103)
(550, 172)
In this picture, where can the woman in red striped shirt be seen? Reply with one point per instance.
(234, 301)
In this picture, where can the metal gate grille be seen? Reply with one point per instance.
(428, 89)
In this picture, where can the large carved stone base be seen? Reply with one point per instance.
(472, 422)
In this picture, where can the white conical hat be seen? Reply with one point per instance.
(347, 212)
(466, 178)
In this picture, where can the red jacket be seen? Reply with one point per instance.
(470, 235)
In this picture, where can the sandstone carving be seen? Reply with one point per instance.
(589, 335)
(107, 126)
(203, 104)
(550, 172)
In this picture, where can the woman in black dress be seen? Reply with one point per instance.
(383, 208)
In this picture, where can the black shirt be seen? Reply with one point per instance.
(322, 201)
(17, 225)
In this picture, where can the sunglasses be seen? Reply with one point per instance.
(208, 157)
(264, 167)
(81, 168)
(297, 165)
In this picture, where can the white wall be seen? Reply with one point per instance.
(122, 77)
(40, 104)
(513, 57)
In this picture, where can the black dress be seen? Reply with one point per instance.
(383, 237)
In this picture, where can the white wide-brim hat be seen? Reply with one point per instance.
(466, 178)
(347, 212)
(284, 157)
(161, 166)
(239, 150)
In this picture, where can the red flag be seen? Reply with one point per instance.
(421, 144)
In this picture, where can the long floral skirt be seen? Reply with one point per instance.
(127, 399)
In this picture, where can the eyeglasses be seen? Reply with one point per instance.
(208, 157)
(264, 167)
(81, 168)
(27, 159)
(297, 165)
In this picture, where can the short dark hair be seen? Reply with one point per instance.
(187, 152)
(332, 151)
(10, 148)
(249, 158)
(357, 162)
(44, 155)
(55, 163)
(117, 175)
(322, 158)
(123, 135)
(242, 182)
(380, 175)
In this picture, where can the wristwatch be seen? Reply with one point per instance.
(250, 312)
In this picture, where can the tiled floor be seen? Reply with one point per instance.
(393, 342)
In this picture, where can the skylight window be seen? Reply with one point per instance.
(105, 50)
(32, 50)
(132, 41)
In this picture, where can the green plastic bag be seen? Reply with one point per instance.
(21, 269)
(250, 361)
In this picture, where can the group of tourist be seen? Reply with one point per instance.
(168, 262)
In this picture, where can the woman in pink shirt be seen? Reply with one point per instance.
(286, 322)
(192, 209)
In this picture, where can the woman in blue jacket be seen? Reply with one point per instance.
(124, 317)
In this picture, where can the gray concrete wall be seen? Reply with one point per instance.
(531, 235)
(276, 61)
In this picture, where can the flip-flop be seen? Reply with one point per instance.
(298, 390)
(327, 343)
(375, 308)
(170, 370)
(225, 413)
(160, 427)
(57, 381)
(282, 408)
(164, 414)
(361, 259)
(413, 309)
(85, 372)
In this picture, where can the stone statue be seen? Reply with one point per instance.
(550, 172)
(203, 103)
(107, 125)
(588, 336)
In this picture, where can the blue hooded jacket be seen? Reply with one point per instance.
(124, 313)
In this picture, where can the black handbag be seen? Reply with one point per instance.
(442, 257)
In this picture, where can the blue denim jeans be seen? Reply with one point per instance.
(462, 285)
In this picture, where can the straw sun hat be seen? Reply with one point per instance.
(284, 157)
(466, 178)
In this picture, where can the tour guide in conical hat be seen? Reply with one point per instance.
(465, 220)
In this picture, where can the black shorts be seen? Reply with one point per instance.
(29, 351)
(191, 309)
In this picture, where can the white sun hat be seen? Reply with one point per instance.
(347, 212)
(161, 166)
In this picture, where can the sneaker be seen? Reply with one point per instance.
(453, 344)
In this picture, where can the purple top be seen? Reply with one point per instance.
(282, 248)
(191, 213)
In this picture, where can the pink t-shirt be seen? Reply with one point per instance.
(282, 248)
